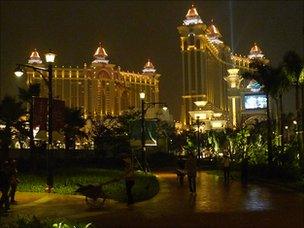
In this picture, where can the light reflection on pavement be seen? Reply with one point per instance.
(215, 205)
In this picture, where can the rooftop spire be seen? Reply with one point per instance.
(213, 30)
(100, 55)
(149, 68)
(35, 58)
(255, 52)
(192, 17)
(213, 33)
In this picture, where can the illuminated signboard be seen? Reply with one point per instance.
(255, 101)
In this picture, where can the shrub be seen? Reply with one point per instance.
(34, 222)
(146, 185)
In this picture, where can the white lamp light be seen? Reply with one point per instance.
(165, 108)
(18, 71)
(50, 57)
(142, 95)
(200, 103)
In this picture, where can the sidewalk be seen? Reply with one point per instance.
(216, 205)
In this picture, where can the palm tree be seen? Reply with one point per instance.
(280, 85)
(292, 67)
(73, 123)
(10, 113)
(265, 75)
(28, 95)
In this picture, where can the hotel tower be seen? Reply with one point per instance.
(213, 90)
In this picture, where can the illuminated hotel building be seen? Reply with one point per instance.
(99, 88)
(213, 90)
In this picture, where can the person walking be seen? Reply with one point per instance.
(129, 178)
(14, 181)
(226, 168)
(4, 187)
(180, 171)
(191, 168)
(244, 173)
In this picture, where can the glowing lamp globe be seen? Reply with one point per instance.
(50, 57)
(18, 72)
(142, 95)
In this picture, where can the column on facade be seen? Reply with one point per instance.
(85, 94)
(62, 86)
(196, 73)
(70, 88)
(55, 84)
(77, 88)
(93, 96)
(183, 106)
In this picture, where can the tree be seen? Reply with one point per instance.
(10, 113)
(28, 95)
(282, 84)
(292, 68)
(129, 116)
(73, 123)
(165, 130)
(101, 136)
(265, 75)
(113, 132)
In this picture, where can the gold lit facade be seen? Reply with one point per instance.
(213, 90)
(99, 88)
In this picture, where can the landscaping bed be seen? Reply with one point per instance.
(65, 182)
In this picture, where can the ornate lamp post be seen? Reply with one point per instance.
(234, 80)
(142, 96)
(144, 108)
(50, 58)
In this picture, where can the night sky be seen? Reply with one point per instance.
(133, 31)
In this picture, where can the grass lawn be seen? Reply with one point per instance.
(146, 185)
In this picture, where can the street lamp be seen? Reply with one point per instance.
(50, 58)
(142, 96)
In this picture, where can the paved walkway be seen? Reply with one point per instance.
(216, 205)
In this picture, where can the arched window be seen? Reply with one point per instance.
(191, 39)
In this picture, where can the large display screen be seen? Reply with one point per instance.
(255, 101)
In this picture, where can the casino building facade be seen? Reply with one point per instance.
(99, 88)
(213, 91)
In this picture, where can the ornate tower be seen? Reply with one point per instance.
(234, 105)
(35, 58)
(100, 55)
(203, 65)
(152, 92)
